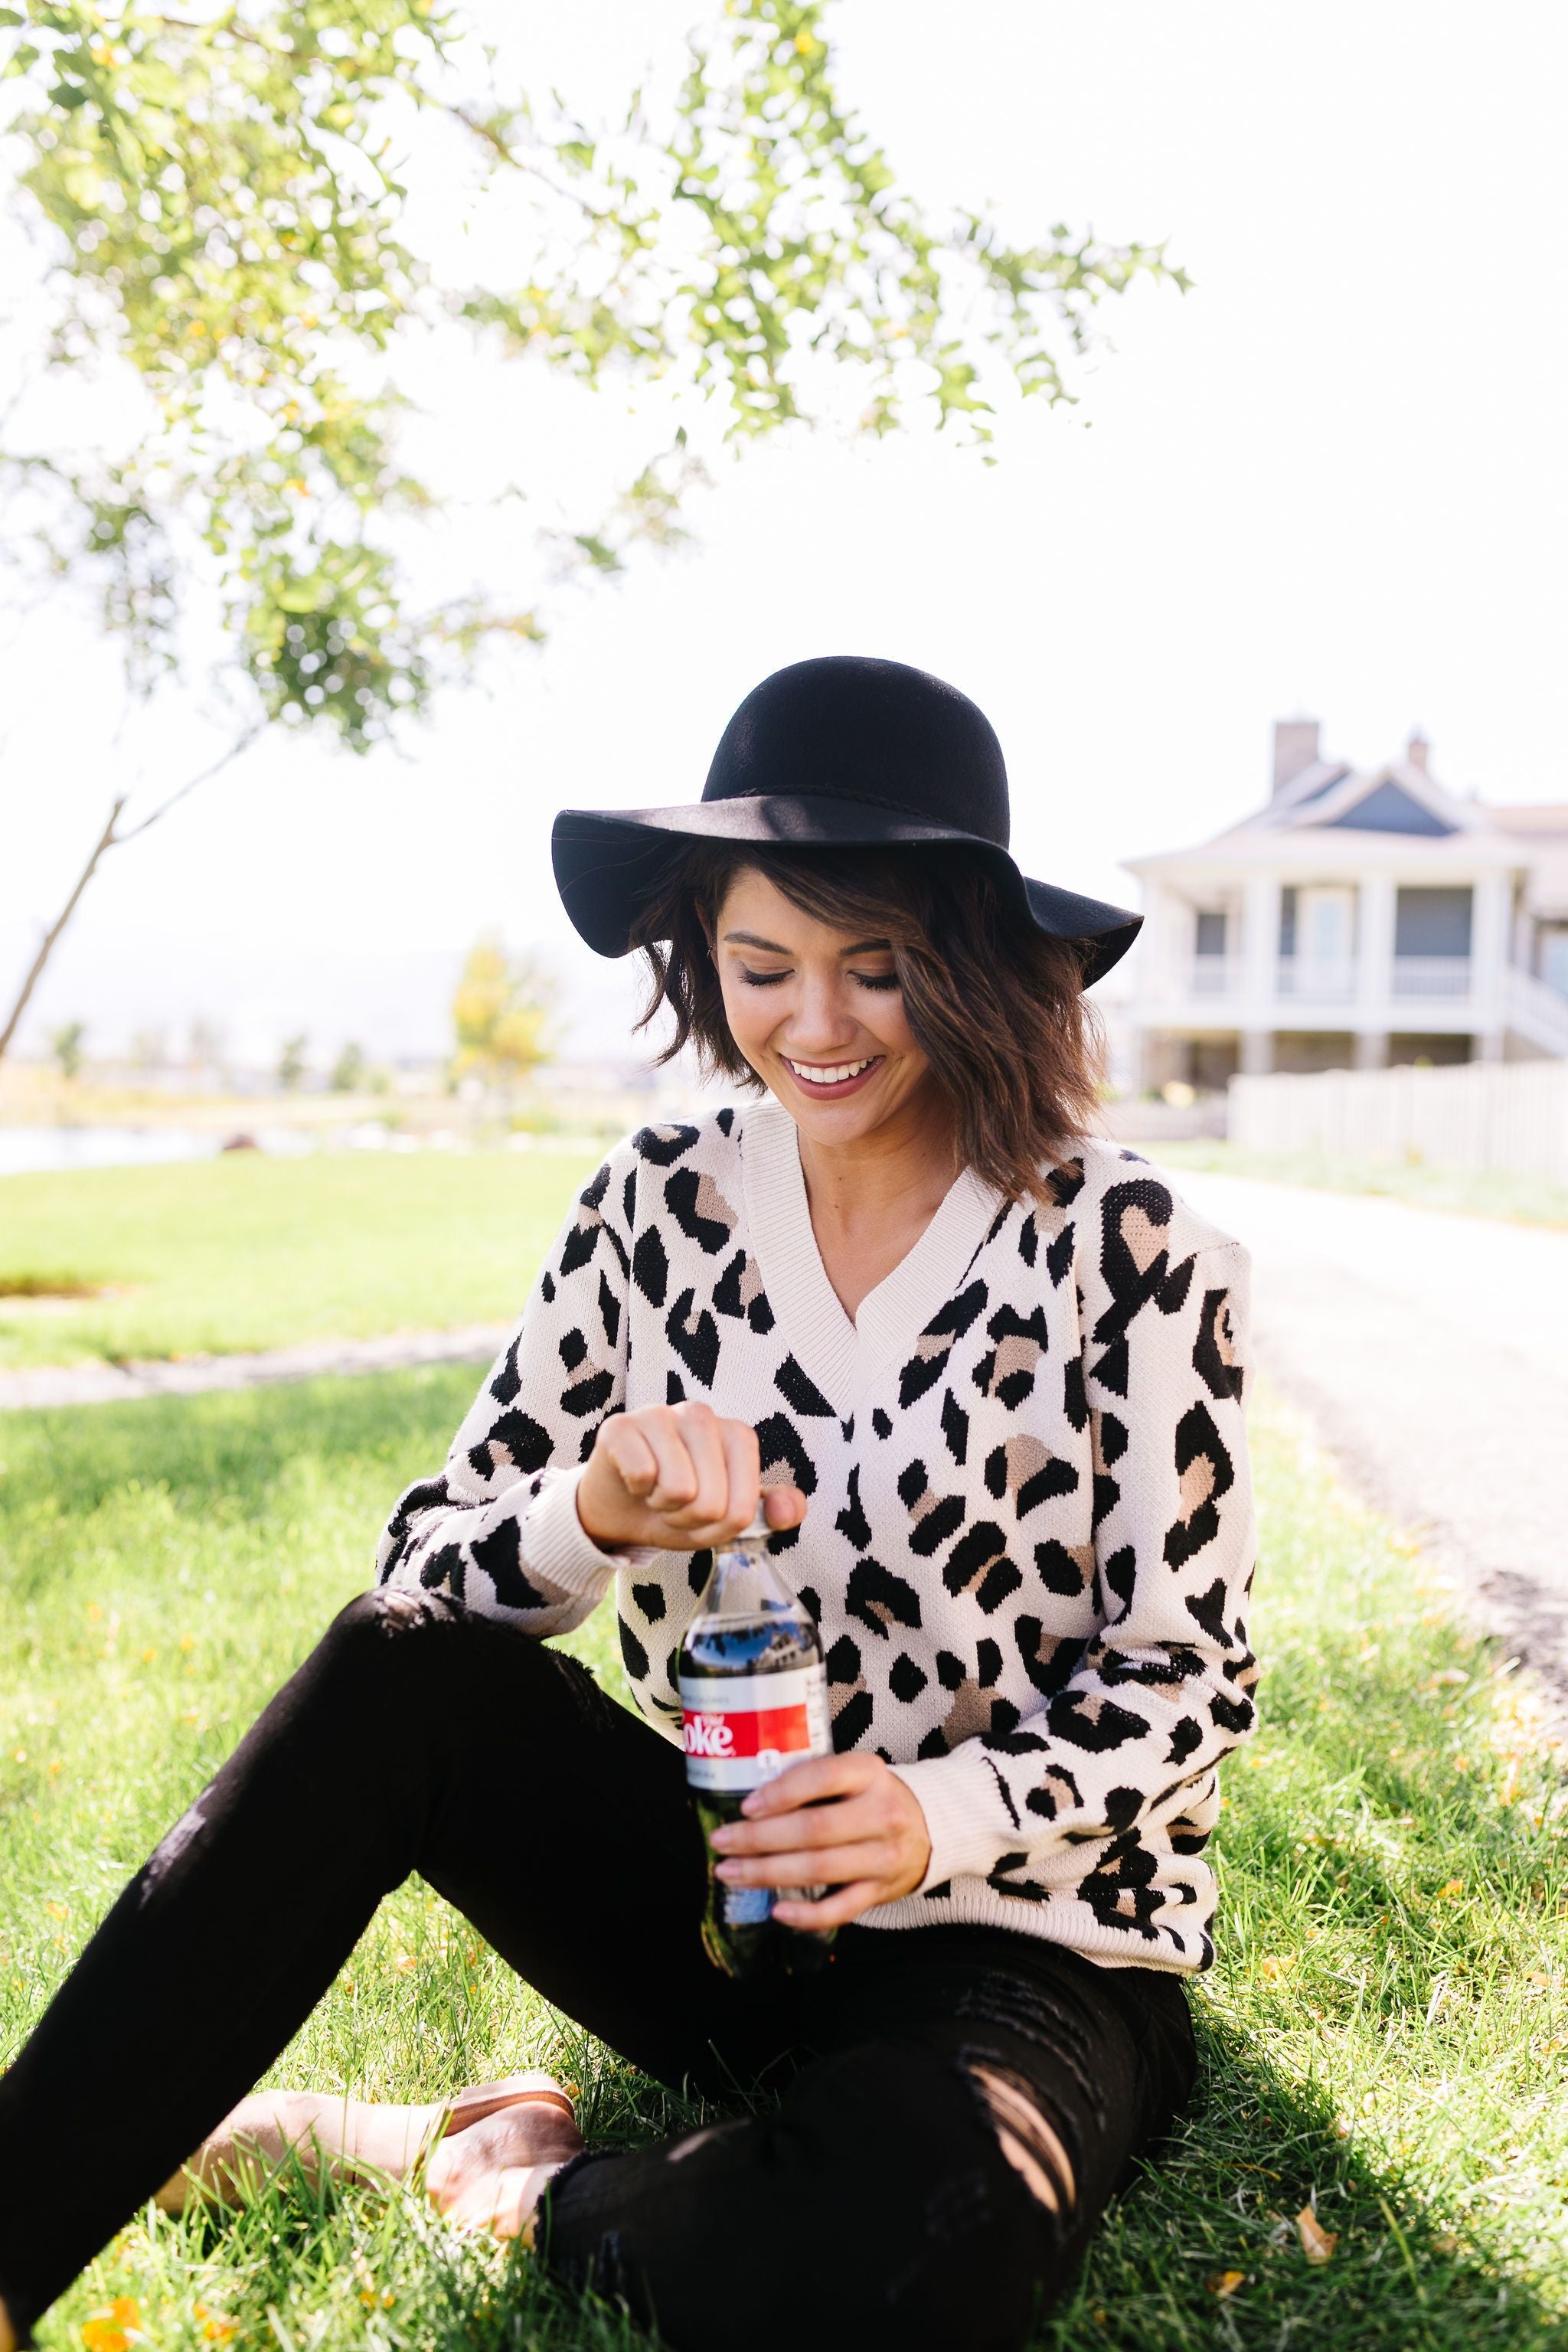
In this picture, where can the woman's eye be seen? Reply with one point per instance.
(761, 979)
(877, 978)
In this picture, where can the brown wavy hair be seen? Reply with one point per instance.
(997, 1007)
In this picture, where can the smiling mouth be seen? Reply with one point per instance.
(832, 1077)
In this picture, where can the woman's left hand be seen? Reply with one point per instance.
(845, 1822)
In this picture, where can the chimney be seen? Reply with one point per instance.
(1295, 750)
(1417, 751)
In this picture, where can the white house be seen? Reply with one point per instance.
(1356, 920)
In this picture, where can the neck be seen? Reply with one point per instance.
(902, 1171)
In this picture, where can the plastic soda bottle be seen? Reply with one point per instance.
(754, 1699)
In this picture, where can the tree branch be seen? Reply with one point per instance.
(106, 840)
(241, 744)
(112, 838)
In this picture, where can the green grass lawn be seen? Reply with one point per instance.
(1386, 2032)
(246, 1252)
(1468, 1192)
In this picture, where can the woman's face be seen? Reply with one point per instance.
(817, 1013)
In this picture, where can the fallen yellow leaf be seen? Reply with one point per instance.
(112, 2328)
(1317, 2243)
(1225, 2283)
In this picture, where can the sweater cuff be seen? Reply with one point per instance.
(958, 1796)
(557, 1546)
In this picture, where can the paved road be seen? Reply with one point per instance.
(1431, 1351)
(99, 1383)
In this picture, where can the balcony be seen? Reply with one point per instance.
(1330, 980)
(1429, 976)
(1214, 975)
(1324, 980)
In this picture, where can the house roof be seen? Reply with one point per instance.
(1402, 804)
(1547, 819)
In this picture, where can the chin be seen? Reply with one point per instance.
(836, 1122)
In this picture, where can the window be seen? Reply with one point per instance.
(1211, 934)
(1433, 922)
(1554, 956)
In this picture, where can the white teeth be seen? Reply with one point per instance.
(830, 1074)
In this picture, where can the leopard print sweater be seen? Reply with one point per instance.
(1029, 1534)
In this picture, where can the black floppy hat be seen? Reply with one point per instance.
(841, 752)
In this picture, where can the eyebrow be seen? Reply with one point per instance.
(772, 947)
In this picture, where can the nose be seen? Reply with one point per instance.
(822, 1021)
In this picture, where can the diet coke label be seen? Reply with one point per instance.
(739, 1731)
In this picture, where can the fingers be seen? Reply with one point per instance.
(836, 1909)
(843, 1822)
(695, 1471)
(785, 1505)
(680, 1476)
(827, 1865)
(809, 1783)
(693, 1489)
(622, 1442)
(742, 1472)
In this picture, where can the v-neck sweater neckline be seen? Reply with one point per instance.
(845, 1355)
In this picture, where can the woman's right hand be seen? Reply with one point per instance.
(679, 1479)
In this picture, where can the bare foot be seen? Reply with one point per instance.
(493, 2176)
(351, 2139)
(317, 2129)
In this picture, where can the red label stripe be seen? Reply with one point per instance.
(782, 1729)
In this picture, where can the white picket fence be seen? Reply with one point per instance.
(1479, 1115)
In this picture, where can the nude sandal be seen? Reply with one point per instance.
(485, 2099)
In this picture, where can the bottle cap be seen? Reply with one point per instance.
(757, 1531)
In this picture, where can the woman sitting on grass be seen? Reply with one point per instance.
(984, 1370)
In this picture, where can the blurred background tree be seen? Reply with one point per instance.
(67, 1044)
(224, 201)
(500, 1017)
(291, 1063)
(350, 1071)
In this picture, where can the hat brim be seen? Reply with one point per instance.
(606, 865)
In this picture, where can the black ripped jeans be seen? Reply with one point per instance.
(887, 2179)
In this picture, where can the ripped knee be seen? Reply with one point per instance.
(389, 1611)
(1026, 2141)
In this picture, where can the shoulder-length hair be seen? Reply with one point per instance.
(995, 1005)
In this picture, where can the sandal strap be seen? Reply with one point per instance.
(475, 2106)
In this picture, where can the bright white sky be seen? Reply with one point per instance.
(1331, 479)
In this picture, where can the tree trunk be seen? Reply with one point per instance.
(106, 840)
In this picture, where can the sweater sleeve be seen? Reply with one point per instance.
(499, 1529)
(1134, 1720)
